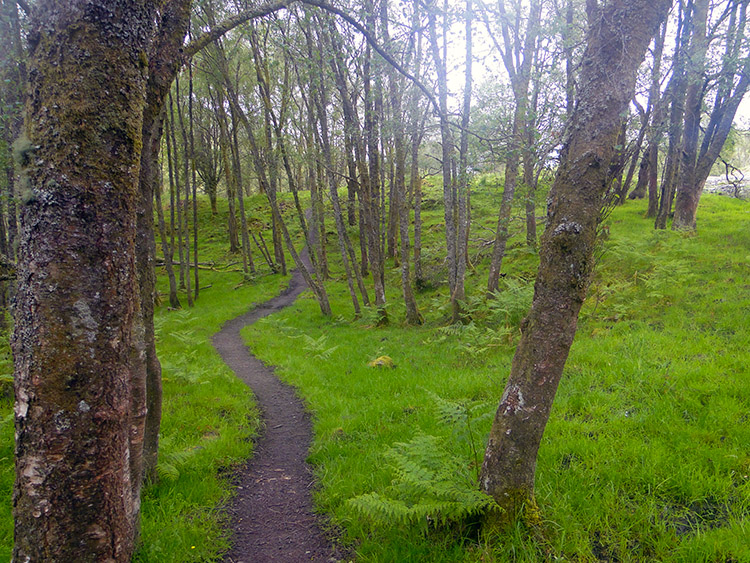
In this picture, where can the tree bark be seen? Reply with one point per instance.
(618, 35)
(676, 90)
(79, 398)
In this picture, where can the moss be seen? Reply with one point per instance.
(23, 150)
(515, 507)
(382, 362)
(26, 193)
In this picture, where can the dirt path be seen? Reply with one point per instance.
(272, 515)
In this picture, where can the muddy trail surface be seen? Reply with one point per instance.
(272, 516)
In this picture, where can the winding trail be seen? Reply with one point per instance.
(272, 514)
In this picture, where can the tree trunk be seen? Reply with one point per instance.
(318, 94)
(177, 202)
(676, 90)
(641, 186)
(80, 400)
(462, 178)
(173, 299)
(446, 140)
(653, 180)
(726, 101)
(655, 114)
(246, 252)
(695, 69)
(619, 33)
(186, 157)
(372, 193)
(517, 61)
(166, 248)
(196, 280)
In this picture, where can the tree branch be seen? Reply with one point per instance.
(229, 24)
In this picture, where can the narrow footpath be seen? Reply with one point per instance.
(272, 514)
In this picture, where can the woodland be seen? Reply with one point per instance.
(523, 333)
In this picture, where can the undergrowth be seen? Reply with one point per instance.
(645, 456)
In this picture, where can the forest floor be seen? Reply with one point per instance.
(272, 516)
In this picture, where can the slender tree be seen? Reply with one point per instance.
(619, 33)
(517, 52)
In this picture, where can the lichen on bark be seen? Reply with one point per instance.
(75, 498)
(619, 33)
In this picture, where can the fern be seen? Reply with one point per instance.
(471, 341)
(463, 417)
(430, 487)
(318, 346)
(171, 461)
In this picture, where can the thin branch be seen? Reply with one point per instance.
(230, 23)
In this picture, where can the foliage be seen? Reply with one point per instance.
(643, 457)
(430, 488)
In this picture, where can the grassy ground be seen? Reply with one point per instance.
(209, 416)
(646, 456)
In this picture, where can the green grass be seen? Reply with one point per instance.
(6, 450)
(646, 456)
(209, 416)
(208, 421)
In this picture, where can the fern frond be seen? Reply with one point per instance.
(430, 487)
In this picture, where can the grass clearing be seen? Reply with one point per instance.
(646, 453)
(646, 456)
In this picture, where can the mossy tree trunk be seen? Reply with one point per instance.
(79, 394)
(619, 33)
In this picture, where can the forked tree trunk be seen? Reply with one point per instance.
(619, 33)
(733, 85)
(79, 430)
(518, 65)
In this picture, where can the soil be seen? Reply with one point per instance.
(272, 518)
